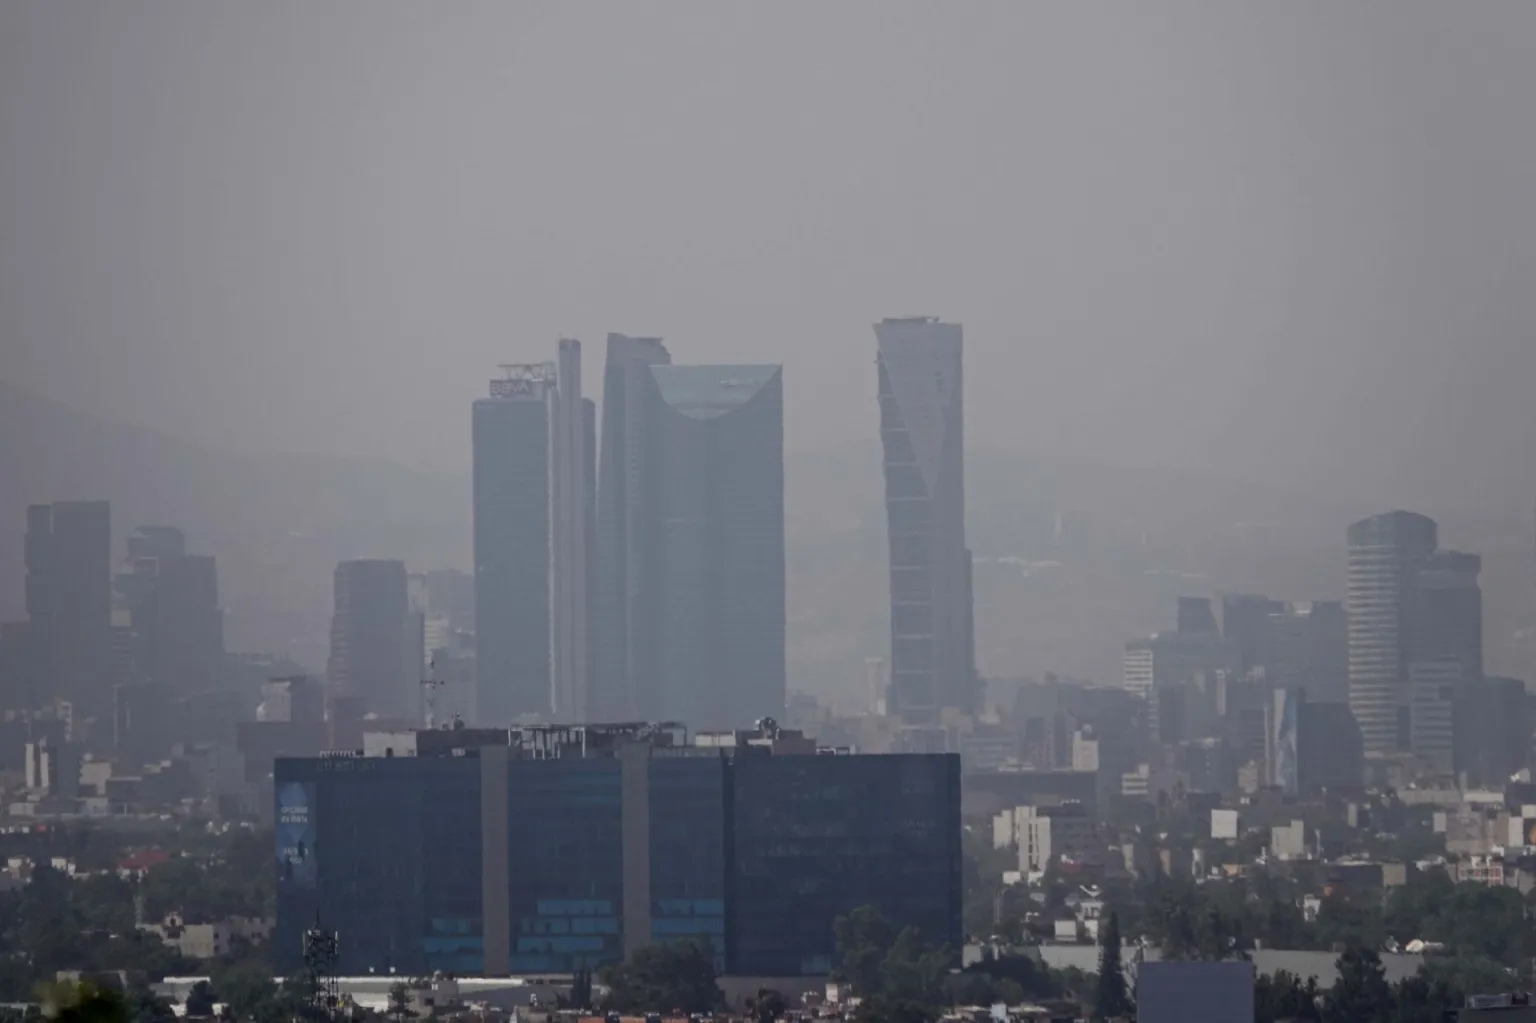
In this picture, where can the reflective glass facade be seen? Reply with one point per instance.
(386, 851)
(689, 804)
(479, 862)
(816, 837)
(565, 863)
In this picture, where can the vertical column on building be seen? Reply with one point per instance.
(495, 875)
(635, 836)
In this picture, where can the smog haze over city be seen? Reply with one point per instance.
(1136, 392)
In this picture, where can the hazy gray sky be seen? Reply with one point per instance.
(1292, 238)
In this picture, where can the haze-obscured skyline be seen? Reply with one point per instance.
(1287, 242)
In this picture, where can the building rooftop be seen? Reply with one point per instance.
(704, 392)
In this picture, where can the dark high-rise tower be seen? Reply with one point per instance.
(624, 651)
(1385, 554)
(713, 527)
(922, 430)
(370, 658)
(1448, 617)
(172, 600)
(69, 600)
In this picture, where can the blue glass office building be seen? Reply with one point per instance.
(488, 861)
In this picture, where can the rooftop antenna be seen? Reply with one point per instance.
(429, 687)
(320, 957)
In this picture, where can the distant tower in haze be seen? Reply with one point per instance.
(571, 510)
(623, 649)
(714, 531)
(922, 431)
(369, 659)
(1385, 554)
(172, 599)
(532, 535)
(69, 601)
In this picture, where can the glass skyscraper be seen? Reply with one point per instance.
(690, 540)
(716, 530)
(532, 535)
(922, 432)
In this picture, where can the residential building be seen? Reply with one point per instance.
(922, 431)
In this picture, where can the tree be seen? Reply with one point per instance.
(1112, 1000)
(864, 939)
(1284, 997)
(200, 1000)
(768, 1007)
(663, 978)
(581, 989)
(83, 1003)
(880, 1009)
(913, 971)
(144, 1006)
(1361, 994)
(400, 1002)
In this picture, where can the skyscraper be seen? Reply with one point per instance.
(1448, 612)
(532, 535)
(714, 528)
(370, 655)
(1385, 554)
(570, 538)
(623, 649)
(922, 430)
(69, 600)
(1245, 621)
(176, 633)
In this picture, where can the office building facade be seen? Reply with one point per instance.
(1306, 646)
(1385, 554)
(624, 649)
(68, 557)
(171, 598)
(714, 531)
(571, 849)
(690, 540)
(532, 536)
(1448, 612)
(1493, 730)
(370, 656)
(922, 433)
